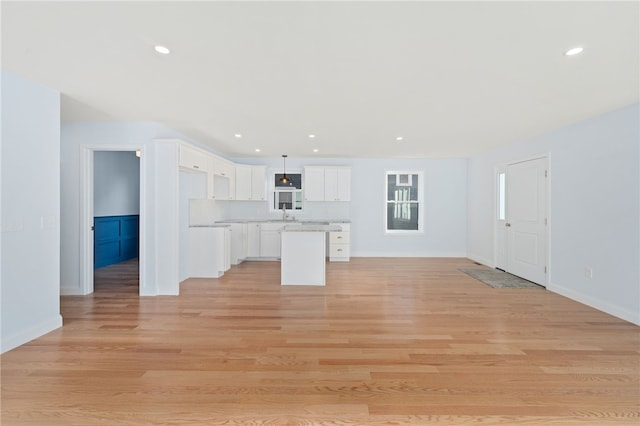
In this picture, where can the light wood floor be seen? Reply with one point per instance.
(387, 341)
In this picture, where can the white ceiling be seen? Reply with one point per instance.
(454, 79)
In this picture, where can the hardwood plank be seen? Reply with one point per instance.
(387, 341)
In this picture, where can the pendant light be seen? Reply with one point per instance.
(284, 178)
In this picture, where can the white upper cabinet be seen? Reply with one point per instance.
(258, 182)
(337, 184)
(327, 183)
(224, 168)
(250, 182)
(243, 182)
(314, 183)
(195, 160)
(223, 177)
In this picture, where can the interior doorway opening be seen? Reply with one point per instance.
(112, 218)
(116, 230)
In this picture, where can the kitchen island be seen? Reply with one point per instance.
(303, 251)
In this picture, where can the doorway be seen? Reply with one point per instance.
(116, 206)
(521, 239)
(119, 207)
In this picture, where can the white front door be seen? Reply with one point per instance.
(526, 223)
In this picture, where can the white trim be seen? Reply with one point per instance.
(86, 213)
(143, 226)
(30, 333)
(86, 219)
(426, 255)
(616, 311)
(480, 259)
(531, 158)
(496, 172)
(420, 202)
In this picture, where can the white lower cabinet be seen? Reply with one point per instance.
(253, 239)
(340, 243)
(303, 258)
(270, 239)
(237, 242)
(209, 251)
(263, 240)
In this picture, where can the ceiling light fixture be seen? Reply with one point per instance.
(311, 136)
(257, 149)
(574, 51)
(162, 50)
(238, 135)
(399, 138)
(284, 178)
(316, 150)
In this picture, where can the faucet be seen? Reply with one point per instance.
(284, 212)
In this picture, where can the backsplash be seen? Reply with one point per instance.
(206, 212)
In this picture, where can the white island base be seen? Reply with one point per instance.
(302, 258)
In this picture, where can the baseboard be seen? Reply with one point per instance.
(71, 291)
(395, 254)
(616, 311)
(480, 259)
(24, 336)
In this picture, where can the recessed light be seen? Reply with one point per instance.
(311, 136)
(316, 150)
(574, 51)
(238, 135)
(257, 149)
(399, 138)
(161, 49)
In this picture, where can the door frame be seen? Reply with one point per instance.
(498, 224)
(504, 168)
(86, 213)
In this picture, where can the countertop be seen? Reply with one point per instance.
(286, 222)
(311, 228)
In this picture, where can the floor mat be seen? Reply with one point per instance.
(499, 279)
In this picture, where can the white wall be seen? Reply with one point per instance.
(445, 205)
(30, 210)
(594, 206)
(116, 183)
(159, 209)
(445, 209)
(594, 197)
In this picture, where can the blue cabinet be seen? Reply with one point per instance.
(115, 239)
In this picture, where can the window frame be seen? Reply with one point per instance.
(419, 202)
(273, 189)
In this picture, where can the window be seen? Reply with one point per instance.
(289, 195)
(404, 202)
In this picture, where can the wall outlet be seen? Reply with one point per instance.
(588, 272)
(11, 225)
(48, 222)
